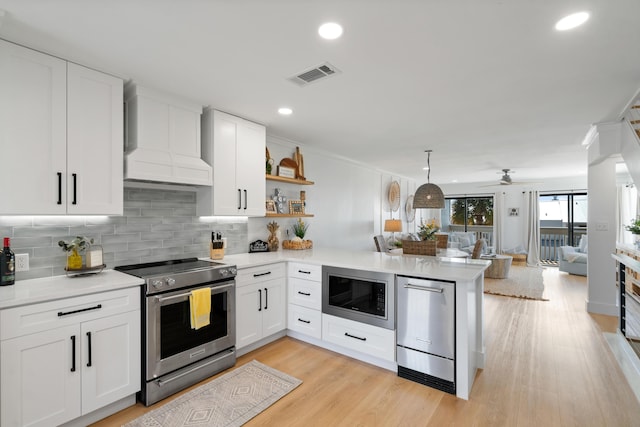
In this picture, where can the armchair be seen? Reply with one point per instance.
(573, 260)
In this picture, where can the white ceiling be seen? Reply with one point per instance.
(485, 84)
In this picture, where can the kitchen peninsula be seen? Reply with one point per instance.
(466, 273)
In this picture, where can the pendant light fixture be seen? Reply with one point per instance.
(428, 195)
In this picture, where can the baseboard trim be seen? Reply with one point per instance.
(600, 308)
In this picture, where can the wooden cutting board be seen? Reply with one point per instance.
(289, 163)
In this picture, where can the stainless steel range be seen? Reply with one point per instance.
(175, 356)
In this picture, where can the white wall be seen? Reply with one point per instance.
(348, 200)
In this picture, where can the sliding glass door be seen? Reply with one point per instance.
(563, 220)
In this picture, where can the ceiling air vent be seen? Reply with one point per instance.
(315, 74)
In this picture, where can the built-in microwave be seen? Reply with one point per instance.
(363, 296)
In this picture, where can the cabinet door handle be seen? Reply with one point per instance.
(266, 298)
(245, 200)
(304, 293)
(239, 199)
(66, 313)
(75, 181)
(89, 348)
(59, 188)
(259, 299)
(73, 353)
(353, 336)
(262, 274)
(304, 272)
(304, 321)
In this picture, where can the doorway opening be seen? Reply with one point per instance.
(563, 221)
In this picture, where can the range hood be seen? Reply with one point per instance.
(163, 139)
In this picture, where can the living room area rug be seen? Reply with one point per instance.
(229, 400)
(523, 282)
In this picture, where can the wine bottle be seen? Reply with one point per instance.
(7, 264)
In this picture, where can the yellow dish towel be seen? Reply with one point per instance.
(200, 304)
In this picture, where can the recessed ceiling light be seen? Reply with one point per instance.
(285, 111)
(330, 30)
(572, 21)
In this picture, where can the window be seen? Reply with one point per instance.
(468, 211)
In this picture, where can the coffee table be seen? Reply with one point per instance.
(499, 268)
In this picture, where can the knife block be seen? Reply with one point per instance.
(216, 250)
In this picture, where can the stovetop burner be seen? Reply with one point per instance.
(164, 276)
(167, 267)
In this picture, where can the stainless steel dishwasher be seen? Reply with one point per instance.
(426, 332)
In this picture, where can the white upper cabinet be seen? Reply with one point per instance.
(94, 142)
(164, 139)
(235, 148)
(61, 129)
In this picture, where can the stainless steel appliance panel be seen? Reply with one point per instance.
(172, 344)
(426, 316)
(427, 363)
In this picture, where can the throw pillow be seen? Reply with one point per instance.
(464, 241)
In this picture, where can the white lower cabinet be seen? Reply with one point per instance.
(305, 320)
(305, 299)
(260, 303)
(64, 359)
(371, 340)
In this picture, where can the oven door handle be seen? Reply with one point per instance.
(182, 374)
(162, 299)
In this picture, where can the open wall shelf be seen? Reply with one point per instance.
(289, 180)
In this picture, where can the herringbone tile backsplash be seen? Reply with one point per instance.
(156, 225)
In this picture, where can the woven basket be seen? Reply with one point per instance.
(422, 247)
(518, 259)
(292, 244)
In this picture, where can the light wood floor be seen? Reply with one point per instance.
(548, 364)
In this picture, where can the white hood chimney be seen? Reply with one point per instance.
(163, 139)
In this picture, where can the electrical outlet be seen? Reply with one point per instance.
(22, 262)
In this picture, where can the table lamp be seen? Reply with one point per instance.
(393, 226)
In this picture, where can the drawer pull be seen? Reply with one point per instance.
(304, 321)
(353, 336)
(262, 274)
(304, 293)
(66, 313)
(304, 272)
(423, 288)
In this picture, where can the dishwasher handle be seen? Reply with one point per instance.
(423, 288)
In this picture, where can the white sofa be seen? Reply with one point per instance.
(462, 240)
(573, 260)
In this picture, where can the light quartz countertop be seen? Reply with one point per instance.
(456, 269)
(32, 291)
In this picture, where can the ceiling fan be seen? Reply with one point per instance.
(505, 179)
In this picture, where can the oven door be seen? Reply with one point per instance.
(172, 344)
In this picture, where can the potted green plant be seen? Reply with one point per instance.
(634, 228)
(74, 248)
(428, 230)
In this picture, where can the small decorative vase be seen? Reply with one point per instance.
(273, 241)
(637, 241)
(74, 260)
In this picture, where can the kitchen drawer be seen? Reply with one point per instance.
(306, 293)
(29, 319)
(371, 340)
(305, 320)
(305, 271)
(249, 276)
